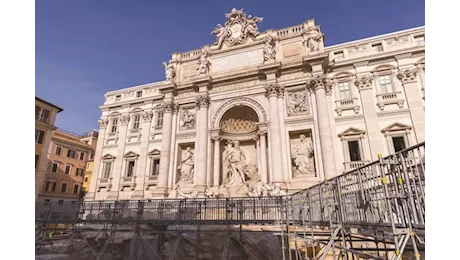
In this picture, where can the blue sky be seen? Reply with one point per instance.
(84, 48)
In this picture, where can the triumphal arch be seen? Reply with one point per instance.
(260, 114)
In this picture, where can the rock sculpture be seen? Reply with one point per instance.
(269, 49)
(315, 38)
(203, 63)
(170, 71)
(186, 166)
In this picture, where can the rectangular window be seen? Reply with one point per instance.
(68, 169)
(377, 47)
(58, 150)
(80, 172)
(53, 187)
(48, 185)
(344, 90)
(64, 187)
(137, 121)
(71, 153)
(130, 170)
(75, 188)
(87, 165)
(39, 134)
(155, 170)
(82, 156)
(106, 170)
(117, 98)
(339, 55)
(41, 114)
(386, 84)
(86, 179)
(36, 160)
(139, 94)
(399, 143)
(419, 39)
(91, 157)
(54, 167)
(47, 201)
(159, 119)
(353, 148)
(114, 125)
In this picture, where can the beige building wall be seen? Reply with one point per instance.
(45, 118)
(350, 101)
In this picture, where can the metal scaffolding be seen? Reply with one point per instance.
(376, 211)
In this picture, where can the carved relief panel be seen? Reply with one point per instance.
(297, 102)
(187, 118)
(302, 154)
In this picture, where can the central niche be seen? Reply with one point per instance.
(239, 120)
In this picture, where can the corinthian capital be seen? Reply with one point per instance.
(168, 106)
(363, 83)
(202, 101)
(273, 90)
(124, 119)
(147, 115)
(103, 123)
(176, 108)
(320, 82)
(407, 76)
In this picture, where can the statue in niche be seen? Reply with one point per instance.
(186, 166)
(203, 65)
(314, 39)
(269, 48)
(236, 161)
(187, 118)
(170, 71)
(226, 164)
(304, 157)
(297, 103)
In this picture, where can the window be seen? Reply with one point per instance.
(53, 186)
(419, 39)
(339, 55)
(377, 47)
(386, 84)
(137, 120)
(91, 156)
(130, 169)
(155, 170)
(159, 119)
(75, 188)
(64, 187)
(36, 160)
(50, 186)
(353, 148)
(68, 169)
(55, 167)
(107, 167)
(87, 165)
(58, 150)
(71, 153)
(39, 134)
(80, 172)
(41, 114)
(114, 125)
(398, 143)
(86, 179)
(344, 91)
(139, 94)
(117, 98)
(82, 156)
(47, 201)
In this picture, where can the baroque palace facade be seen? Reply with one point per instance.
(261, 113)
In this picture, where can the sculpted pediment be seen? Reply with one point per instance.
(108, 157)
(131, 154)
(396, 127)
(154, 152)
(352, 131)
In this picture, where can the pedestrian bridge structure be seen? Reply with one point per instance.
(376, 211)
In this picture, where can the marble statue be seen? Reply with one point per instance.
(187, 119)
(221, 34)
(177, 193)
(186, 166)
(236, 159)
(251, 25)
(170, 71)
(277, 191)
(314, 39)
(303, 157)
(203, 63)
(269, 49)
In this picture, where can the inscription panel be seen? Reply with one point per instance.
(189, 71)
(238, 60)
(234, 86)
(291, 50)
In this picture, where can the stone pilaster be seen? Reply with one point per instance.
(273, 91)
(319, 85)
(364, 85)
(217, 159)
(168, 108)
(172, 152)
(202, 104)
(263, 155)
(96, 174)
(408, 79)
(118, 169)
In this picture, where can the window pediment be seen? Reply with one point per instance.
(154, 152)
(396, 127)
(352, 131)
(108, 157)
(131, 155)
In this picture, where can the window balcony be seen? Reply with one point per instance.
(104, 183)
(128, 182)
(390, 99)
(111, 136)
(151, 180)
(354, 165)
(134, 134)
(347, 104)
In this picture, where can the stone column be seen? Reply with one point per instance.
(118, 166)
(216, 170)
(91, 195)
(408, 79)
(168, 108)
(364, 85)
(172, 152)
(284, 148)
(263, 155)
(273, 90)
(209, 175)
(325, 132)
(202, 103)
